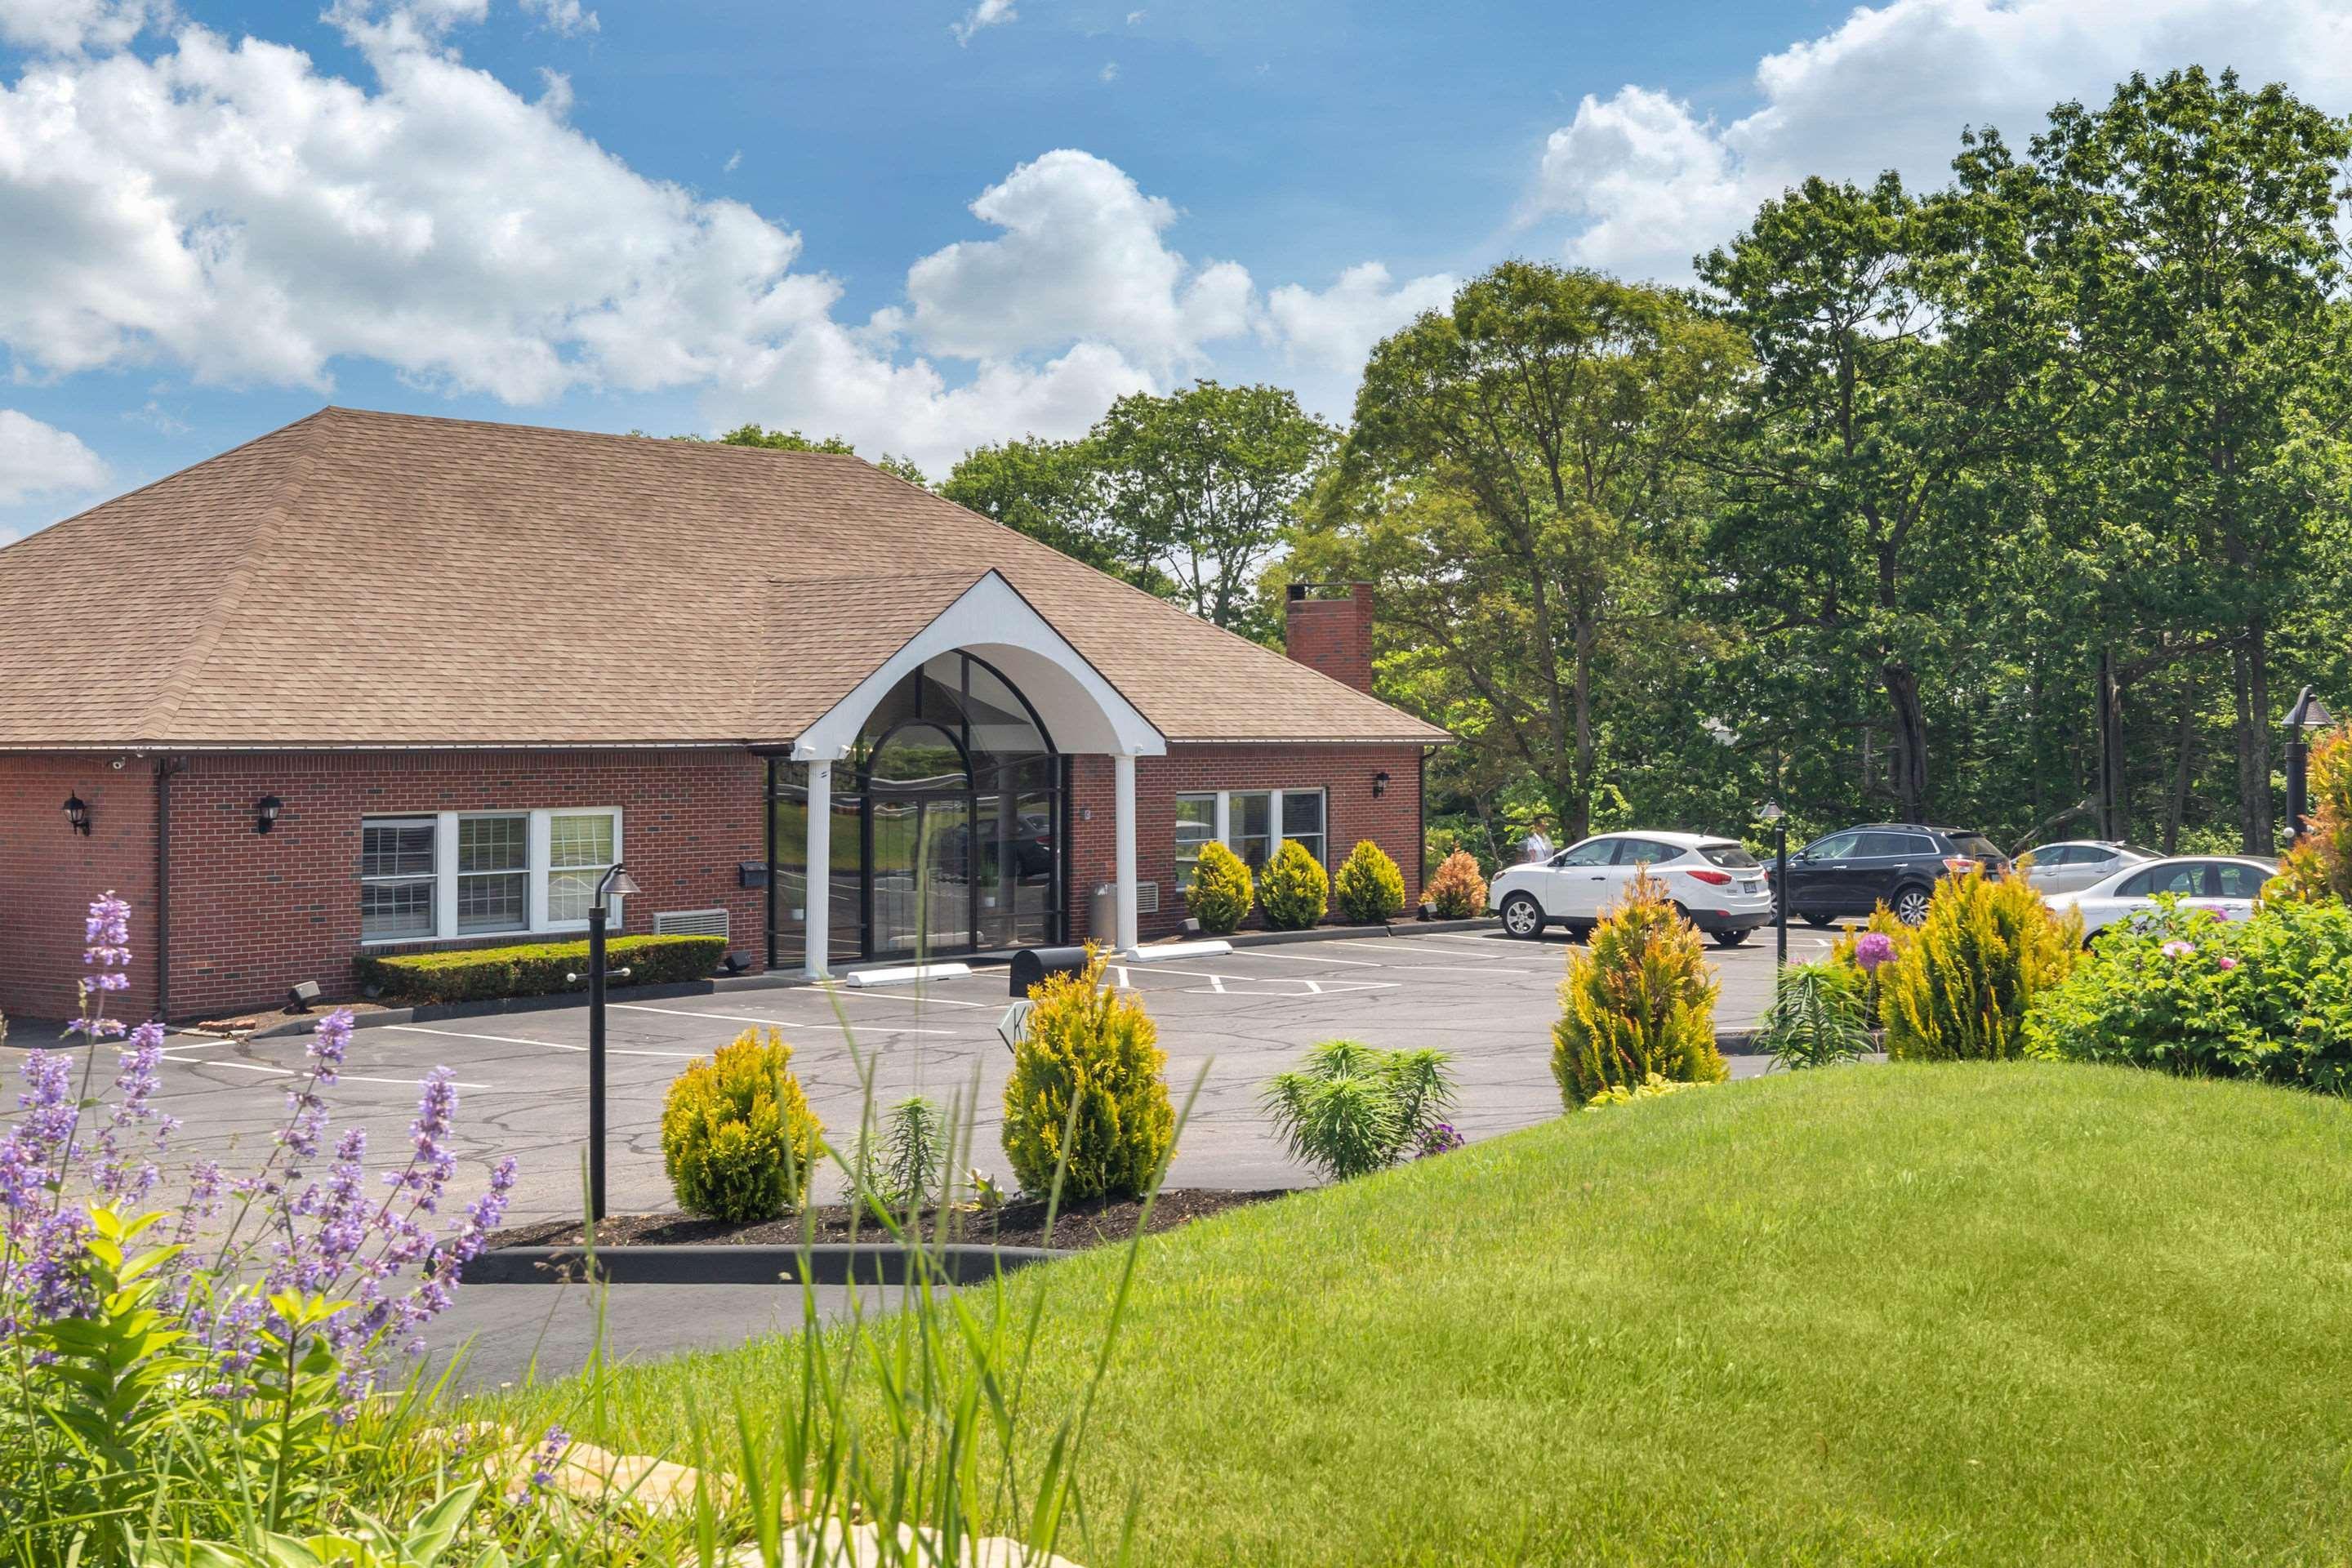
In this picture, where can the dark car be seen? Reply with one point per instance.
(1855, 869)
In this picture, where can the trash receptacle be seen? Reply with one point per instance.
(1032, 965)
(1102, 914)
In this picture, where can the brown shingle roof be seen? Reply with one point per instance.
(362, 579)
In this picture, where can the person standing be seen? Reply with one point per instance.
(1537, 846)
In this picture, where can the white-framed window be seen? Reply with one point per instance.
(1252, 823)
(465, 874)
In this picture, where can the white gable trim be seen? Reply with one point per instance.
(1084, 712)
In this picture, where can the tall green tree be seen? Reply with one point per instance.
(1054, 491)
(794, 441)
(1514, 485)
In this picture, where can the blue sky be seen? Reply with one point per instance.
(922, 224)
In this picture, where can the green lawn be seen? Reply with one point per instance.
(1960, 1314)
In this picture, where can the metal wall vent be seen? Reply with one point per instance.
(1147, 898)
(690, 922)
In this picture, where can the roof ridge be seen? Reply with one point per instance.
(683, 443)
(186, 469)
(171, 690)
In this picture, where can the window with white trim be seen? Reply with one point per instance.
(466, 874)
(1252, 823)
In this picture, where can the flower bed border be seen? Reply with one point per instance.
(833, 1263)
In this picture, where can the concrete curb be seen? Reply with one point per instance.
(839, 1263)
(1347, 933)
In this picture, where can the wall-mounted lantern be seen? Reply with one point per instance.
(77, 815)
(1379, 785)
(265, 813)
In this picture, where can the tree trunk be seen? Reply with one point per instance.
(2250, 672)
(2184, 766)
(1579, 814)
(1907, 746)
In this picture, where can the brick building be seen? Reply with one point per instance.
(377, 683)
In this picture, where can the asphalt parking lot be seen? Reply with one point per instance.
(1242, 1017)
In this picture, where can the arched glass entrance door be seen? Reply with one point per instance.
(946, 830)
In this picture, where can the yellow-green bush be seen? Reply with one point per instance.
(1368, 886)
(738, 1136)
(1222, 893)
(1847, 952)
(1458, 892)
(1650, 1088)
(1958, 989)
(1638, 1002)
(1088, 1045)
(2320, 865)
(1293, 889)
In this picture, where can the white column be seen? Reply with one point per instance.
(816, 899)
(1123, 790)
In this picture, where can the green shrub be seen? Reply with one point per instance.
(2320, 864)
(1354, 1108)
(536, 969)
(1872, 962)
(1088, 1046)
(1958, 989)
(1222, 893)
(1650, 1088)
(737, 1133)
(1817, 1016)
(1638, 1001)
(2267, 998)
(1458, 892)
(1368, 886)
(1293, 889)
(905, 1165)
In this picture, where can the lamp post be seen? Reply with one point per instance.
(615, 881)
(2308, 713)
(1771, 812)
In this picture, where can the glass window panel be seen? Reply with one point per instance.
(397, 848)
(494, 843)
(1302, 819)
(2238, 881)
(393, 910)
(1249, 825)
(919, 757)
(1196, 823)
(999, 719)
(498, 901)
(1591, 852)
(581, 841)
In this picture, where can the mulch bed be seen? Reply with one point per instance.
(1020, 1223)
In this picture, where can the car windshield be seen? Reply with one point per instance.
(2140, 850)
(1976, 845)
(1729, 854)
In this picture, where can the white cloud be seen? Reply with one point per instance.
(1892, 86)
(41, 460)
(1081, 258)
(65, 26)
(1335, 329)
(1110, 71)
(987, 14)
(566, 17)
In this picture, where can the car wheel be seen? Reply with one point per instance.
(1578, 931)
(1911, 906)
(1729, 938)
(1522, 916)
(1813, 920)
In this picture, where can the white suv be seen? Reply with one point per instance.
(1714, 882)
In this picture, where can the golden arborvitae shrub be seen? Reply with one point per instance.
(738, 1136)
(1959, 988)
(1458, 892)
(1638, 1002)
(1088, 1045)
(1368, 887)
(1222, 893)
(2320, 865)
(1293, 889)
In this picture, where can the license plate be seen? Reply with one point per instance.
(1754, 886)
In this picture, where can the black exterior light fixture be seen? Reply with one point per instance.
(2308, 713)
(1771, 813)
(265, 813)
(77, 815)
(615, 883)
(1379, 785)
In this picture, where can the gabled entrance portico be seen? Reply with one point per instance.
(930, 800)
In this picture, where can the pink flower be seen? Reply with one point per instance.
(1873, 949)
(2178, 949)
(2226, 962)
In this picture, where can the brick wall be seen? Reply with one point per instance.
(1392, 820)
(252, 913)
(48, 874)
(1334, 636)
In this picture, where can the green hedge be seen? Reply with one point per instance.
(538, 968)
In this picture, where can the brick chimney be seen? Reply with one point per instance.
(1330, 633)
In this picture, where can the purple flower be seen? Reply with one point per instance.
(1872, 949)
(1440, 1138)
(551, 1449)
(106, 934)
(2175, 948)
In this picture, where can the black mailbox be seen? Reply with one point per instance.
(750, 873)
(1032, 965)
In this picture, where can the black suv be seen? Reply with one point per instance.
(1855, 869)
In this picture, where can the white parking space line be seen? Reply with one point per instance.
(872, 994)
(304, 1072)
(775, 1022)
(544, 1045)
(1305, 958)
